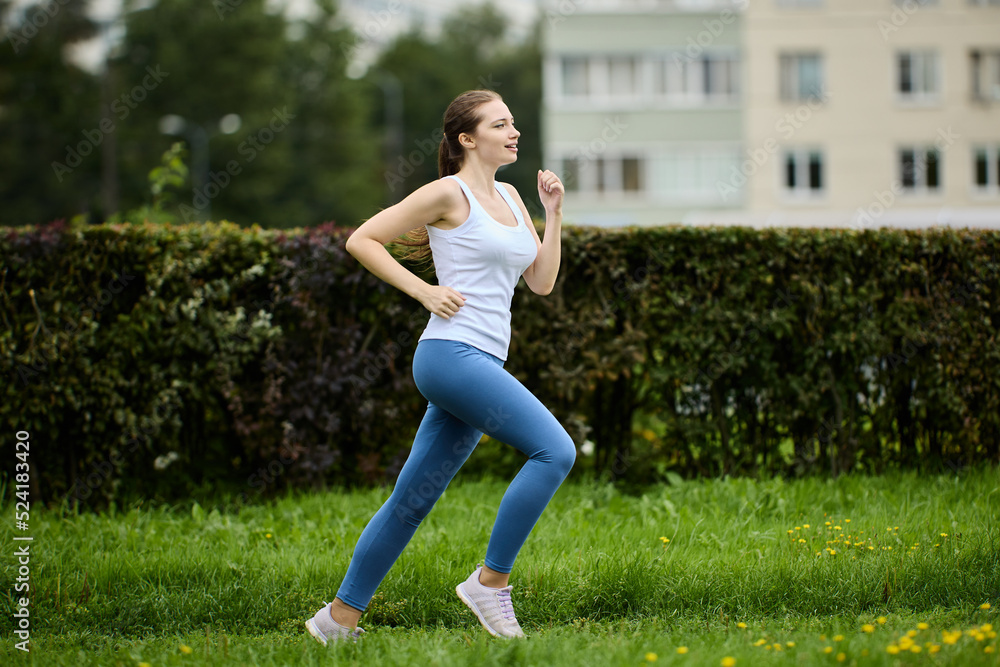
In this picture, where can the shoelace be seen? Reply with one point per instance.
(506, 607)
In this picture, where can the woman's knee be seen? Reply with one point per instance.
(563, 453)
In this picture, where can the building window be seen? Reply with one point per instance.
(985, 74)
(631, 174)
(803, 173)
(696, 174)
(920, 170)
(705, 79)
(607, 174)
(623, 75)
(575, 76)
(986, 169)
(917, 79)
(801, 76)
(571, 174)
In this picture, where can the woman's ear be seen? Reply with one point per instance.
(466, 140)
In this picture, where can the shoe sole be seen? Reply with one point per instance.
(314, 631)
(482, 621)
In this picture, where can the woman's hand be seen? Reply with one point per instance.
(442, 301)
(550, 191)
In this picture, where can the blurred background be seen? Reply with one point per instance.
(291, 113)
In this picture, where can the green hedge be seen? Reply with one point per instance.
(164, 360)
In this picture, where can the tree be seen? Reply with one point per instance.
(50, 132)
(301, 154)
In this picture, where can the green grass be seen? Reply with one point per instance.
(595, 584)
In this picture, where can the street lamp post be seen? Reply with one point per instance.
(197, 137)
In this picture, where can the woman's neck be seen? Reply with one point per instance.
(479, 177)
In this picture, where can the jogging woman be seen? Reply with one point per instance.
(482, 242)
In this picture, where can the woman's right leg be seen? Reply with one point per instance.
(441, 446)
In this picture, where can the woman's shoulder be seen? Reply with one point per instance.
(510, 189)
(445, 191)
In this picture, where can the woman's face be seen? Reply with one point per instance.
(495, 137)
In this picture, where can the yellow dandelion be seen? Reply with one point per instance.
(268, 535)
(868, 627)
(882, 620)
(915, 648)
(933, 648)
(801, 541)
(837, 528)
(790, 531)
(682, 650)
(777, 647)
(892, 649)
(806, 526)
(650, 657)
(828, 649)
(798, 528)
(767, 648)
(841, 657)
(986, 627)
(728, 661)
(944, 534)
(838, 638)
(741, 625)
(822, 638)
(185, 648)
(922, 626)
(988, 649)
(985, 606)
(145, 664)
(790, 644)
(760, 642)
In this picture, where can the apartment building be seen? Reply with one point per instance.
(847, 113)
(642, 109)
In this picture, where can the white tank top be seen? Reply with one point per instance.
(482, 259)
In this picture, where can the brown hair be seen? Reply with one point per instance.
(461, 117)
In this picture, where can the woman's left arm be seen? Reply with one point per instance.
(541, 275)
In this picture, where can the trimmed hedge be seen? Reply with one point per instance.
(164, 360)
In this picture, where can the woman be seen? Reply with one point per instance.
(482, 241)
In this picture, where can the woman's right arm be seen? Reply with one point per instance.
(427, 205)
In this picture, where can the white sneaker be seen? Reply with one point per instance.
(325, 629)
(492, 606)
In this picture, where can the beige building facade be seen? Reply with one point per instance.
(845, 113)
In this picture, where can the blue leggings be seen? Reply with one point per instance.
(469, 394)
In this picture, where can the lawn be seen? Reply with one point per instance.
(899, 569)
